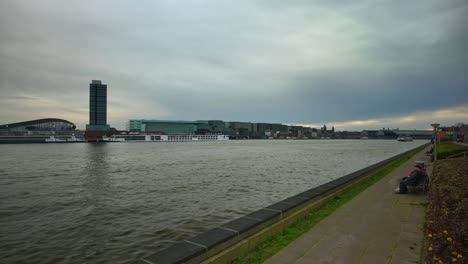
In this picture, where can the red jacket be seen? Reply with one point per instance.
(416, 169)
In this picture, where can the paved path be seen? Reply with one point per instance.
(377, 226)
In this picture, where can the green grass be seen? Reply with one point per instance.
(271, 246)
(445, 149)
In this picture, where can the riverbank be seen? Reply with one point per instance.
(377, 226)
(233, 240)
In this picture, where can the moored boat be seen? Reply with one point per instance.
(53, 139)
(113, 139)
(73, 139)
(405, 138)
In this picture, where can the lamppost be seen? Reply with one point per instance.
(435, 126)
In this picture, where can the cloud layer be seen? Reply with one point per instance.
(449, 116)
(259, 61)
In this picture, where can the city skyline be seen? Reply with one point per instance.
(354, 66)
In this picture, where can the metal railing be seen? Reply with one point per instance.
(458, 154)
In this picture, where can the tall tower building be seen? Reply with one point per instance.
(97, 103)
(97, 110)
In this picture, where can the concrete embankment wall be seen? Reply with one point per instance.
(225, 243)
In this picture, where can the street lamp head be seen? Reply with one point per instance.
(435, 125)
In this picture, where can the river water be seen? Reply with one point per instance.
(117, 202)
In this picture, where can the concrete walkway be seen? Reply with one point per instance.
(377, 226)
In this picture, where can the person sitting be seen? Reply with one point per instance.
(429, 152)
(414, 177)
(422, 166)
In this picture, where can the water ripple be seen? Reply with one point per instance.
(115, 203)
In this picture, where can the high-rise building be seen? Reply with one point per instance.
(97, 103)
(97, 108)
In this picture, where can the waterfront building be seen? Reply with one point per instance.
(395, 133)
(296, 131)
(416, 134)
(97, 107)
(134, 125)
(240, 129)
(387, 133)
(44, 124)
(97, 103)
(36, 131)
(253, 130)
(262, 130)
(204, 127)
(348, 135)
(98, 127)
(166, 126)
(314, 133)
(309, 132)
(218, 126)
(279, 130)
(370, 133)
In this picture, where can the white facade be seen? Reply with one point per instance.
(164, 138)
(134, 125)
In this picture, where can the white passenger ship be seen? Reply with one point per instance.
(72, 139)
(405, 138)
(162, 138)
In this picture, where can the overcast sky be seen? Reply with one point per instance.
(349, 64)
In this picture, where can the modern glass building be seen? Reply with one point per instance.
(165, 126)
(134, 125)
(97, 107)
(97, 103)
(45, 124)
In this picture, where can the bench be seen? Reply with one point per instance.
(423, 184)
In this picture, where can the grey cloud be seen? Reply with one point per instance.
(271, 61)
(28, 98)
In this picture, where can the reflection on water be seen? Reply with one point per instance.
(100, 203)
(96, 182)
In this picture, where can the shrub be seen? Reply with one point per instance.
(447, 213)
